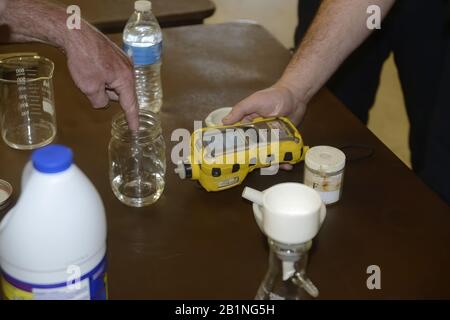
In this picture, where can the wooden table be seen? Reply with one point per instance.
(193, 244)
(112, 15)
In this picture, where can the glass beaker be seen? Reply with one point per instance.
(137, 161)
(286, 278)
(27, 104)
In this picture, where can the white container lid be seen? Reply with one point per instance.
(215, 118)
(325, 159)
(143, 5)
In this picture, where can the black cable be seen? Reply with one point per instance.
(370, 152)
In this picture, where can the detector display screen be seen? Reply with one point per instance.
(219, 141)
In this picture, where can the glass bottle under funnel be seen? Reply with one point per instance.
(286, 277)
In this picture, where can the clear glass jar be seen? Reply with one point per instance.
(137, 162)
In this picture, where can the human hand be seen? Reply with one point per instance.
(277, 100)
(102, 71)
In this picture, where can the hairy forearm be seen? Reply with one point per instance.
(338, 29)
(34, 20)
(98, 67)
(42, 21)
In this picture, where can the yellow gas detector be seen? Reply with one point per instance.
(222, 156)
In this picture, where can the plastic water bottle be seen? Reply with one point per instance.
(142, 39)
(53, 242)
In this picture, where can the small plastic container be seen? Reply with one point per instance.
(324, 172)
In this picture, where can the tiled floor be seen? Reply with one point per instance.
(388, 118)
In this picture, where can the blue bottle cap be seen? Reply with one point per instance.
(53, 158)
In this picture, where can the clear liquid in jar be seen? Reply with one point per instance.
(140, 191)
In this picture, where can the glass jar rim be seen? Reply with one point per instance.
(149, 127)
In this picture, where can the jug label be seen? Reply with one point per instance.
(144, 55)
(91, 286)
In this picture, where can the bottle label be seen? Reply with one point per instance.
(91, 286)
(328, 186)
(144, 55)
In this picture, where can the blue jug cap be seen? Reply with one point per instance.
(53, 158)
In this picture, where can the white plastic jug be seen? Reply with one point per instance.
(53, 242)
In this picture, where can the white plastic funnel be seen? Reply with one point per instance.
(253, 195)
